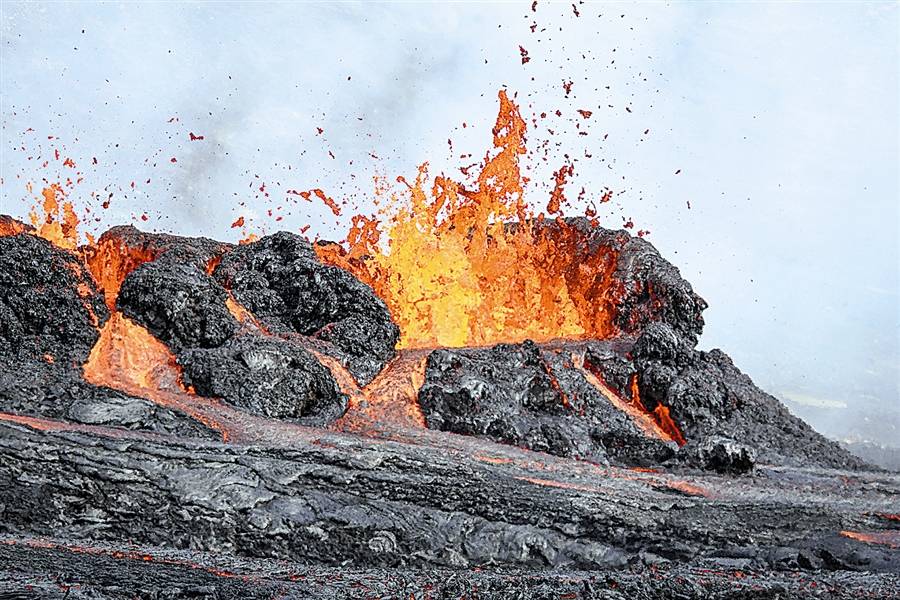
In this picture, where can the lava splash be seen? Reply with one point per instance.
(473, 264)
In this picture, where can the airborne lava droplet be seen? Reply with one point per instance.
(524, 54)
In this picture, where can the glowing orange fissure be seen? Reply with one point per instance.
(657, 423)
(474, 266)
(890, 538)
(389, 399)
(110, 261)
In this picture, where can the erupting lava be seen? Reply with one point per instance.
(458, 264)
(110, 261)
(59, 223)
(473, 266)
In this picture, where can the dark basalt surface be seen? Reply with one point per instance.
(55, 570)
(266, 376)
(711, 399)
(48, 309)
(103, 495)
(314, 499)
(530, 396)
(48, 302)
(179, 303)
(283, 283)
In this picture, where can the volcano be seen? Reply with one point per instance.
(494, 403)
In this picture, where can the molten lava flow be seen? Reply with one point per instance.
(688, 488)
(59, 223)
(391, 399)
(10, 227)
(660, 414)
(891, 539)
(560, 484)
(128, 358)
(470, 266)
(110, 260)
(42, 424)
(243, 316)
(657, 424)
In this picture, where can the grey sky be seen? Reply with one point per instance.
(782, 117)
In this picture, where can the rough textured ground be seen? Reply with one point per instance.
(634, 467)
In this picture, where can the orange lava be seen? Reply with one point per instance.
(128, 358)
(890, 539)
(660, 414)
(110, 260)
(58, 223)
(688, 488)
(243, 316)
(10, 227)
(389, 399)
(560, 484)
(47, 424)
(648, 422)
(472, 265)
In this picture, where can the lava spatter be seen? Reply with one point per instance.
(474, 265)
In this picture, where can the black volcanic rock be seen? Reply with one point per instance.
(710, 398)
(195, 250)
(58, 391)
(323, 499)
(49, 305)
(103, 495)
(725, 455)
(646, 287)
(266, 376)
(281, 281)
(530, 396)
(506, 393)
(179, 303)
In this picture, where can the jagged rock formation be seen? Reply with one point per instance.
(284, 284)
(231, 480)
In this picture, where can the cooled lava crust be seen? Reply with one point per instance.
(181, 417)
